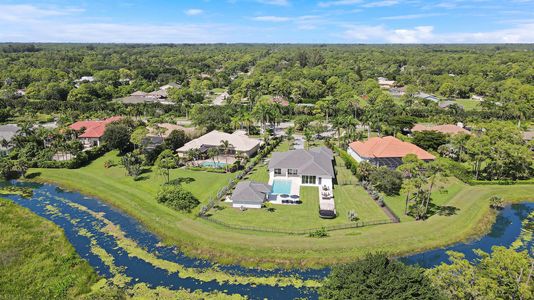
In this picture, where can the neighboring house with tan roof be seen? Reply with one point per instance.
(528, 135)
(239, 143)
(446, 128)
(90, 132)
(386, 151)
(385, 83)
(7, 133)
(189, 131)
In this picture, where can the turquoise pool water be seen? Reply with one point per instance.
(281, 186)
(211, 164)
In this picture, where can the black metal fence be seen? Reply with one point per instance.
(357, 224)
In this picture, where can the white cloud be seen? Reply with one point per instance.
(381, 3)
(271, 19)
(26, 12)
(523, 33)
(410, 17)
(194, 12)
(275, 2)
(339, 3)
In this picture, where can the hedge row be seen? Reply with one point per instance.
(83, 158)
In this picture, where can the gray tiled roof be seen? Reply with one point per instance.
(8, 131)
(316, 161)
(250, 192)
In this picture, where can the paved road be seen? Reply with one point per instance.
(298, 142)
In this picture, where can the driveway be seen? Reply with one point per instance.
(298, 141)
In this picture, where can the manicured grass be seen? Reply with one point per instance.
(202, 184)
(440, 196)
(305, 216)
(36, 260)
(469, 104)
(207, 240)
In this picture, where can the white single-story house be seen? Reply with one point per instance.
(239, 143)
(249, 194)
(7, 133)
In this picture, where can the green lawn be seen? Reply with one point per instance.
(204, 239)
(450, 187)
(202, 184)
(305, 216)
(36, 260)
(469, 104)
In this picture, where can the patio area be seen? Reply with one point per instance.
(285, 191)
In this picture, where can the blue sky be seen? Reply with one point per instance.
(268, 21)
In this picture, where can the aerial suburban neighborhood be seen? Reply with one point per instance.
(266, 149)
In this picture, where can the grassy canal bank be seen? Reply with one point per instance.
(203, 239)
(36, 260)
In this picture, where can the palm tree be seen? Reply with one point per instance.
(192, 155)
(225, 146)
(212, 153)
(308, 136)
(248, 120)
(235, 122)
(289, 135)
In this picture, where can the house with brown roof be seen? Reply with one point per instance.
(90, 132)
(445, 129)
(386, 151)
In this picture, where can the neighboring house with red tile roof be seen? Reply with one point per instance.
(93, 130)
(446, 128)
(280, 100)
(386, 151)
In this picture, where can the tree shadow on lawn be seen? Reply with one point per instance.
(141, 178)
(180, 180)
(33, 175)
(443, 210)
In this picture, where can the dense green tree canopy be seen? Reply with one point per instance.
(377, 277)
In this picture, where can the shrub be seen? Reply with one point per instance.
(429, 140)
(496, 202)
(319, 233)
(352, 216)
(177, 197)
(386, 180)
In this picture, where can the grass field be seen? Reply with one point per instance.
(203, 239)
(304, 216)
(450, 187)
(202, 184)
(469, 104)
(36, 260)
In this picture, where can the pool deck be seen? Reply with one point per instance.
(293, 195)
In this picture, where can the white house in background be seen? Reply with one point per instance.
(422, 95)
(385, 83)
(7, 133)
(239, 143)
(477, 97)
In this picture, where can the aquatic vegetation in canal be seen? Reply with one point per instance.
(206, 275)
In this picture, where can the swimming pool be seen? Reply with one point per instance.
(281, 187)
(211, 164)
